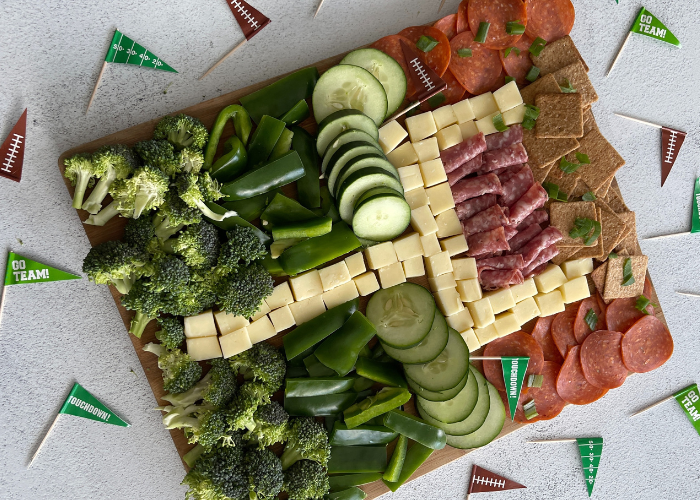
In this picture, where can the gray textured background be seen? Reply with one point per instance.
(57, 333)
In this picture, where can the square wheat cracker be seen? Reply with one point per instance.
(563, 215)
(595, 251)
(576, 75)
(540, 174)
(589, 122)
(545, 85)
(556, 55)
(613, 229)
(598, 277)
(615, 201)
(561, 116)
(565, 253)
(542, 152)
(567, 182)
(614, 277)
(629, 242)
(604, 158)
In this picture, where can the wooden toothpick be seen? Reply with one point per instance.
(655, 125)
(666, 236)
(563, 440)
(652, 406)
(2, 302)
(442, 4)
(619, 53)
(46, 436)
(97, 84)
(399, 114)
(224, 58)
(485, 358)
(318, 9)
(689, 294)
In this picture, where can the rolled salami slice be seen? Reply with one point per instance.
(601, 359)
(621, 314)
(572, 385)
(542, 258)
(523, 237)
(464, 170)
(536, 217)
(563, 329)
(534, 198)
(510, 232)
(516, 186)
(489, 219)
(473, 206)
(514, 154)
(494, 280)
(487, 243)
(503, 262)
(547, 400)
(549, 19)
(581, 328)
(518, 344)
(498, 14)
(507, 173)
(513, 135)
(477, 186)
(545, 239)
(646, 345)
(536, 271)
(456, 156)
(542, 333)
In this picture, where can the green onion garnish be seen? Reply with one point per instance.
(537, 46)
(530, 410)
(499, 123)
(597, 229)
(509, 79)
(437, 100)
(515, 28)
(426, 43)
(532, 74)
(554, 192)
(612, 255)
(568, 89)
(507, 52)
(589, 196)
(568, 167)
(531, 114)
(583, 158)
(587, 229)
(464, 52)
(591, 319)
(535, 380)
(627, 274)
(643, 303)
(483, 32)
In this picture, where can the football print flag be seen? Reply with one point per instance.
(427, 82)
(590, 450)
(514, 369)
(249, 19)
(483, 480)
(671, 142)
(12, 150)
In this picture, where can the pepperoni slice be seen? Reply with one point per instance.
(563, 329)
(462, 24)
(448, 25)
(601, 359)
(549, 19)
(478, 73)
(518, 65)
(500, 81)
(547, 400)
(647, 345)
(391, 46)
(542, 333)
(438, 59)
(516, 344)
(572, 385)
(453, 94)
(498, 13)
(581, 328)
(603, 318)
(623, 313)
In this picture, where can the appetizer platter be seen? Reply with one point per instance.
(308, 255)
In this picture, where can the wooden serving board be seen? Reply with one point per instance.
(207, 112)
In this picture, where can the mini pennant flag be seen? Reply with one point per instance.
(590, 450)
(513, 375)
(22, 271)
(671, 142)
(83, 404)
(12, 150)
(649, 25)
(124, 50)
(427, 82)
(250, 19)
(484, 481)
(696, 207)
(689, 399)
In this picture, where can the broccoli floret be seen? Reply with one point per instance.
(242, 248)
(306, 480)
(182, 131)
(112, 163)
(80, 171)
(270, 425)
(191, 300)
(170, 273)
(171, 334)
(196, 189)
(173, 215)
(146, 302)
(242, 293)
(308, 440)
(263, 363)
(217, 388)
(198, 245)
(219, 474)
(142, 192)
(250, 396)
(202, 424)
(265, 476)
(115, 263)
(139, 232)
(191, 160)
(159, 154)
(180, 372)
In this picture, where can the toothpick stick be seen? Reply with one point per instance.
(442, 4)
(619, 53)
(97, 84)
(224, 58)
(655, 125)
(689, 294)
(399, 114)
(652, 406)
(666, 236)
(318, 9)
(485, 358)
(564, 440)
(41, 445)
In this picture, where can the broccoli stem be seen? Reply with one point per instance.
(124, 285)
(143, 198)
(190, 396)
(80, 188)
(103, 216)
(138, 324)
(289, 457)
(180, 138)
(207, 212)
(193, 455)
(94, 201)
(165, 230)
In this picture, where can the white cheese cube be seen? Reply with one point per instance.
(381, 255)
(282, 319)
(416, 198)
(524, 290)
(468, 129)
(421, 126)
(403, 156)
(340, 295)
(235, 343)
(413, 267)
(552, 277)
(481, 312)
(430, 245)
(470, 338)
(469, 290)
(526, 310)
(454, 245)
(334, 275)
(461, 321)
(307, 309)
(306, 285)
(356, 264)
(203, 348)
(486, 334)
(407, 247)
(427, 149)
(264, 309)
(433, 172)
(501, 300)
(483, 105)
(411, 177)
(449, 136)
(578, 267)
(260, 330)
(575, 290)
(391, 275)
(486, 126)
(442, 282)
(508, 96)
(281, 296)
(366, 283)
(422, 220)
(506, 323)
(465, 269)
(463, 111)
(515, 115)
(228, 323)
(448, 224)
(550, 303)
(440, 198)
(444, 117)
(391, 135)
(201, 325)
(448, 301)
(438, 264)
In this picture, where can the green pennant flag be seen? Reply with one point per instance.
(124, 50)
(21, 271)
(689, 399)
(696, 207)
(513, 375)
(649, 25)
(590, 450)
(83, 404)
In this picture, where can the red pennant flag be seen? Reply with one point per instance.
(671, 142)
(428, 83)
(251, 20)
(12, 150)
(484, 480)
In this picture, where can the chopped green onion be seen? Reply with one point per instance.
(643, 303)
(464, 52)
(568, 167)
(597, 229)
(537, 46)
(530, 410)
(499, 123)
(532, 74)
(562, 196)
(507, 52)
(531, 114)
(568, 89)
(591, 319)
(535, 380)
(583, 158)
(627, 274)
(554, 192)
(582, 229)
(589, 196)
(509, 79)
(515, 28)
(612, 255)
(483, 32)
(426, 43)
(437, 100)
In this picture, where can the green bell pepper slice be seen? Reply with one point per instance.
(304, 229)
(393, 470)
(230, 222)
(232, 162)
(272, 266)
(317, 251)
(355, 459)
(384, 401)
(317, 386)
(283, 210)
(362, 435)
(241, 124)
(415, 457)
(263, 140)
(251, 208)
(340, 483)
(328, 208)
(309, 186)
(283, 145)
(268, 177)
(415, 429)
(384, 373)
(316, 368)
(340, 351)
(365, 352)
(319, 406)
(295, 372)
(278, 98)
(362, 384)
(353, 493)
(298, 113)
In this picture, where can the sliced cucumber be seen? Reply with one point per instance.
(382, 217)
(445, 371)
(356, 185)
(346, 153)
(340, 121)
(489, 430)
(349, 87)
(438, 396)
(372, 192)
(359, 163)
(455, 409)
(385, 69)
(344, 138)
(429, 349)
(402, 314)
